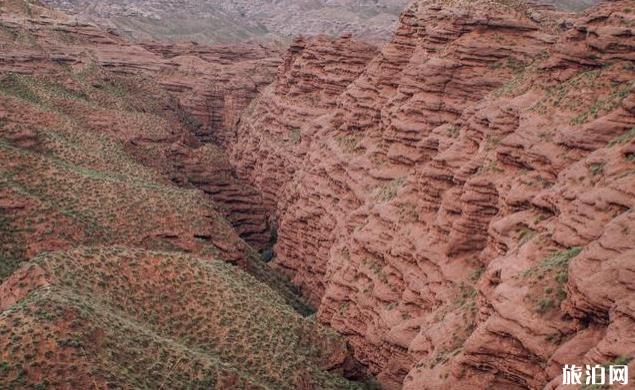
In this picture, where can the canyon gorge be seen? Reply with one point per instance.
(452, 209)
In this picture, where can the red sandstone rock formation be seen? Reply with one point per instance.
(315, 71)
(463, 209)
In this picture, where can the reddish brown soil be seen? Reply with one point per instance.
(125, 318)
(119, 264)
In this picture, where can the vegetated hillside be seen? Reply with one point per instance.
(213, 84)
(87, 158)
(230, 21)
(125, 318)
(463, 210)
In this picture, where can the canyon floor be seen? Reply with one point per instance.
(450, 210)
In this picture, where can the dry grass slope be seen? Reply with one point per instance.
(135, 318)
(86, 159)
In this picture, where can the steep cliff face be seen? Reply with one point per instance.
(463, 210)
(272, 140)
(213, 84)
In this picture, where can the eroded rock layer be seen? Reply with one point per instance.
(314, 72)
(462, 210)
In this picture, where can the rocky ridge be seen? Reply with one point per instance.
(463, 210)
(231, 21)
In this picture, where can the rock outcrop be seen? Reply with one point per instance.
(314, 72)
(463, 209)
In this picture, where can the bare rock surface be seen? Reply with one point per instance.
(460, 206)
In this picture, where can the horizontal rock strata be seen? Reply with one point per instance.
(462, 210)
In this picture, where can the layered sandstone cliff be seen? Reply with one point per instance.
(461, 205)
(315, 71)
